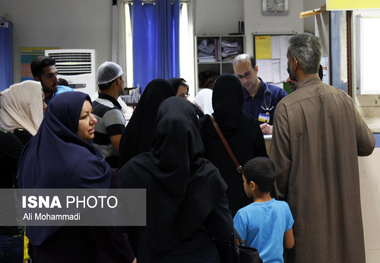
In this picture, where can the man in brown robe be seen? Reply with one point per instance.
(317, 137)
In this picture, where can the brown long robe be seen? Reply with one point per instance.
(317, 137)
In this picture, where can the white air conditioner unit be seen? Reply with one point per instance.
(77, 66)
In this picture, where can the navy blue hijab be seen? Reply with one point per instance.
(56, 157)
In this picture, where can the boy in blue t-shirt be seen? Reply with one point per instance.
(266, 224)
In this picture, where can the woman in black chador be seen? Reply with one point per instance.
(241, 131)
(186, 201)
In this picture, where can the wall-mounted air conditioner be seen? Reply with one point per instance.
(77, 66)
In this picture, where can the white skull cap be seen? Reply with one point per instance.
(108, 71)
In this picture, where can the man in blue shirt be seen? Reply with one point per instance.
(44, 70)
(260, 98)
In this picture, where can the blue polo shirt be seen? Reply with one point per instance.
(260, 109)
(60, 89)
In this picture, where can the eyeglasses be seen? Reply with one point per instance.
(183, 95)
(246, 75)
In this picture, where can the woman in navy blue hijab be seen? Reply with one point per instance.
(61, 155)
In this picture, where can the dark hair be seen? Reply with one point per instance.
(39, 63)
(243, 57)
(320, 72)
(183, 82)
(253, 61)
(176, 82)
(63, 82)
(107, 85)
(260, 170)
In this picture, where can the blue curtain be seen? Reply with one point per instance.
(155, 30)
(6, 55)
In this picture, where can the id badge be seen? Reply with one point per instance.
(264, 117)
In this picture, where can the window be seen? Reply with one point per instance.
(128, 47)
(186, 46)
(368, 54)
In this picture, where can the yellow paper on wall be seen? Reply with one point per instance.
(263, 49)
(351, 4)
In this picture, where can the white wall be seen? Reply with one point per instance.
(217, 17)
(220, 17)
(309, 22)
(255, 22)
(65, 24)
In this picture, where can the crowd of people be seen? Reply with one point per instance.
(300, 204)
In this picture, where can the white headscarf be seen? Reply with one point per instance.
(204, 100)
(22, 107)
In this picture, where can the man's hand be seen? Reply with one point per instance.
(266, 128)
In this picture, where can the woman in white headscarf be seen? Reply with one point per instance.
(22, 108)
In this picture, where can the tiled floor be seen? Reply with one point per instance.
(370, 197)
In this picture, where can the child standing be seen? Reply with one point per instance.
(266, 224)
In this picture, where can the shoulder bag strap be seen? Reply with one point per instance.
(238, 237)
(239, 168)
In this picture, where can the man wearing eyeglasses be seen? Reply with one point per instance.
(260, 98)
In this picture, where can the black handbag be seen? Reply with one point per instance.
(232, 252)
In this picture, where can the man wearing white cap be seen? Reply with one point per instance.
(111, 122)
